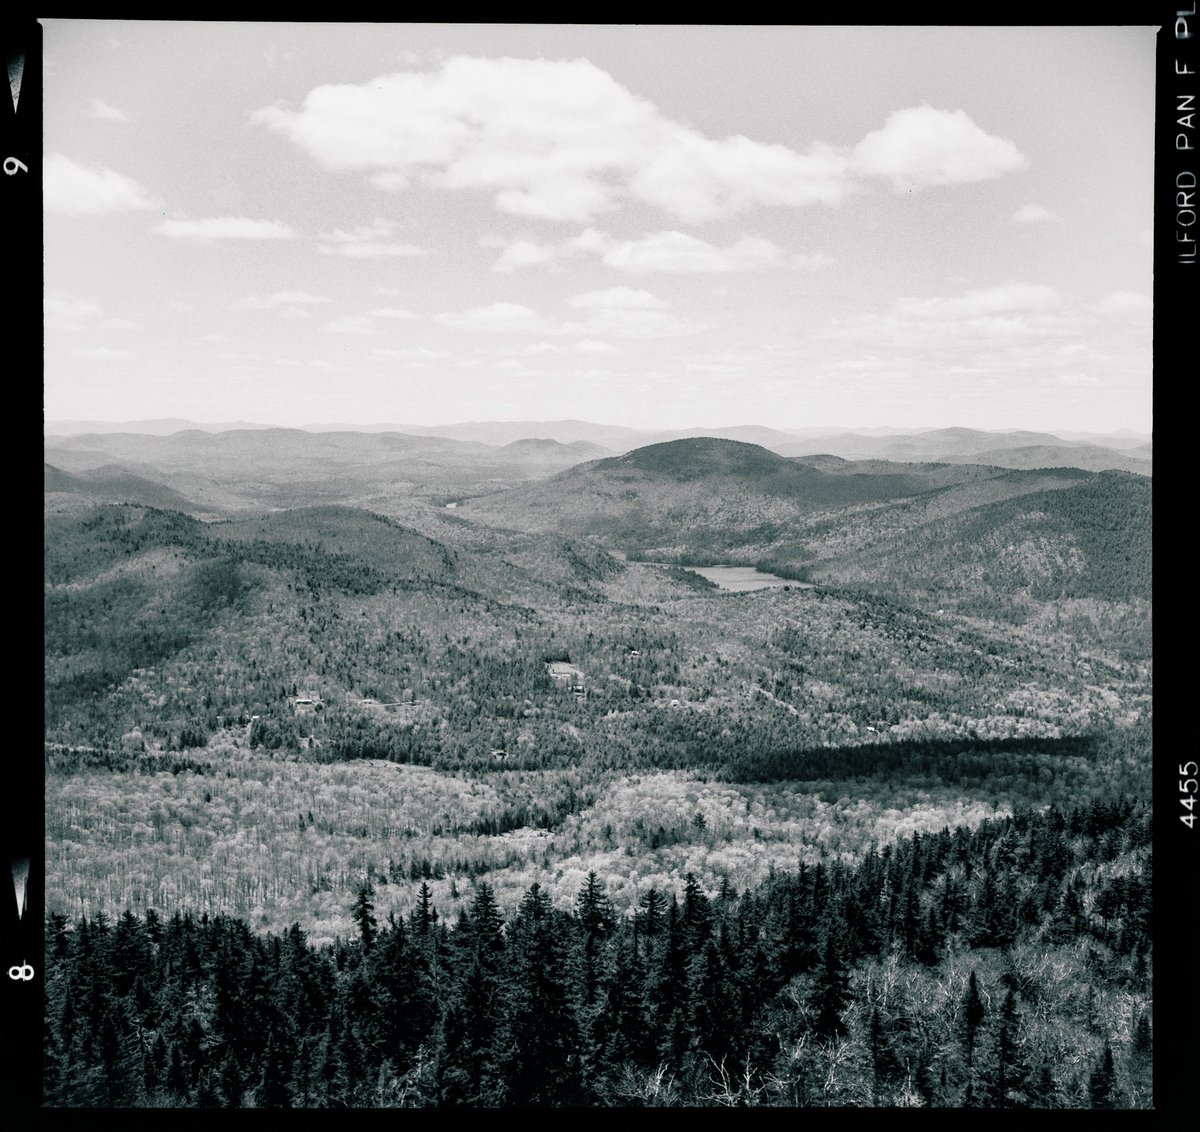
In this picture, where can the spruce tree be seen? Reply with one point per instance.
(364, 914)
(1103, 1082)
(831, 993)
(540, 1036)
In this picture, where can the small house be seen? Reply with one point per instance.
(565, 673)
(306, 705)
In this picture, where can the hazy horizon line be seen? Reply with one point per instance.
(354, 426)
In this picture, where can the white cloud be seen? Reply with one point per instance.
(364, 322)
(1032, 214)
(678, 252)
(104, 354)
(101, 110)
(61, 311)
(350, 324)
(921, 146)
(1127, 304)
(989, 301)
(497, 318)
(584, 346)
(367, 241)
(617, 312)
(65, 313)
(625, 298)
(523, 253)
(392, 312)
(75, 190)
(664, 252)
(556, 140)
(587, 346)
(411, 357)
(288, 301)
(633, 322)
(225, 228)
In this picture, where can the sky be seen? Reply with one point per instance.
(658, 227)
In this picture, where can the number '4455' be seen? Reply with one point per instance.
(1188, 787)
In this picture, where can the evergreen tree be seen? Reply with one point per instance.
(1141, 1053)
(652, 909)
(364, 909)
(974, 1013)
(716, 1021)
(831, 992)
(274, 1091)
(593, 915)
(1006, 1084)
(540, 1036)
(1103, 1082)
(697, 915)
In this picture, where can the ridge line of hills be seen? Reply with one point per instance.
(618, 439)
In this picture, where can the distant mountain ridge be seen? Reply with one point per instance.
(1119, 451)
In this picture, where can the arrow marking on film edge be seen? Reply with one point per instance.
(16, 69)
(20, 875)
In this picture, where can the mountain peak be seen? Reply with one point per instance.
(696, 457)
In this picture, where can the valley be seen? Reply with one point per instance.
(918, 604)
(687, 672)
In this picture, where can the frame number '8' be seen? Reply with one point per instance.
(1189, 787)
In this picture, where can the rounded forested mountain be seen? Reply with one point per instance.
(699, 456)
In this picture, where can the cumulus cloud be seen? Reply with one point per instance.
(497, 318)
(225, 228)
(72, 189)
(411, 357)
(1011, 298)
(920, 146)
(583, 346)
(67, 313)
(290, 302)
(1126, 304)
(605, 349)
(101, 110)
(668, 252)
(61, 311)
(365, 321)
(525, 253)
(624, 298)
(679, 252)
(623, 312)
(392, 312)
(620, 312)
(350, 324)
(1032, 214)
(556, 140)
(367, 241)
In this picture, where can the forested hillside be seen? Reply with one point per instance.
(878, 838)
(1090, 540)
(1004, 968)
